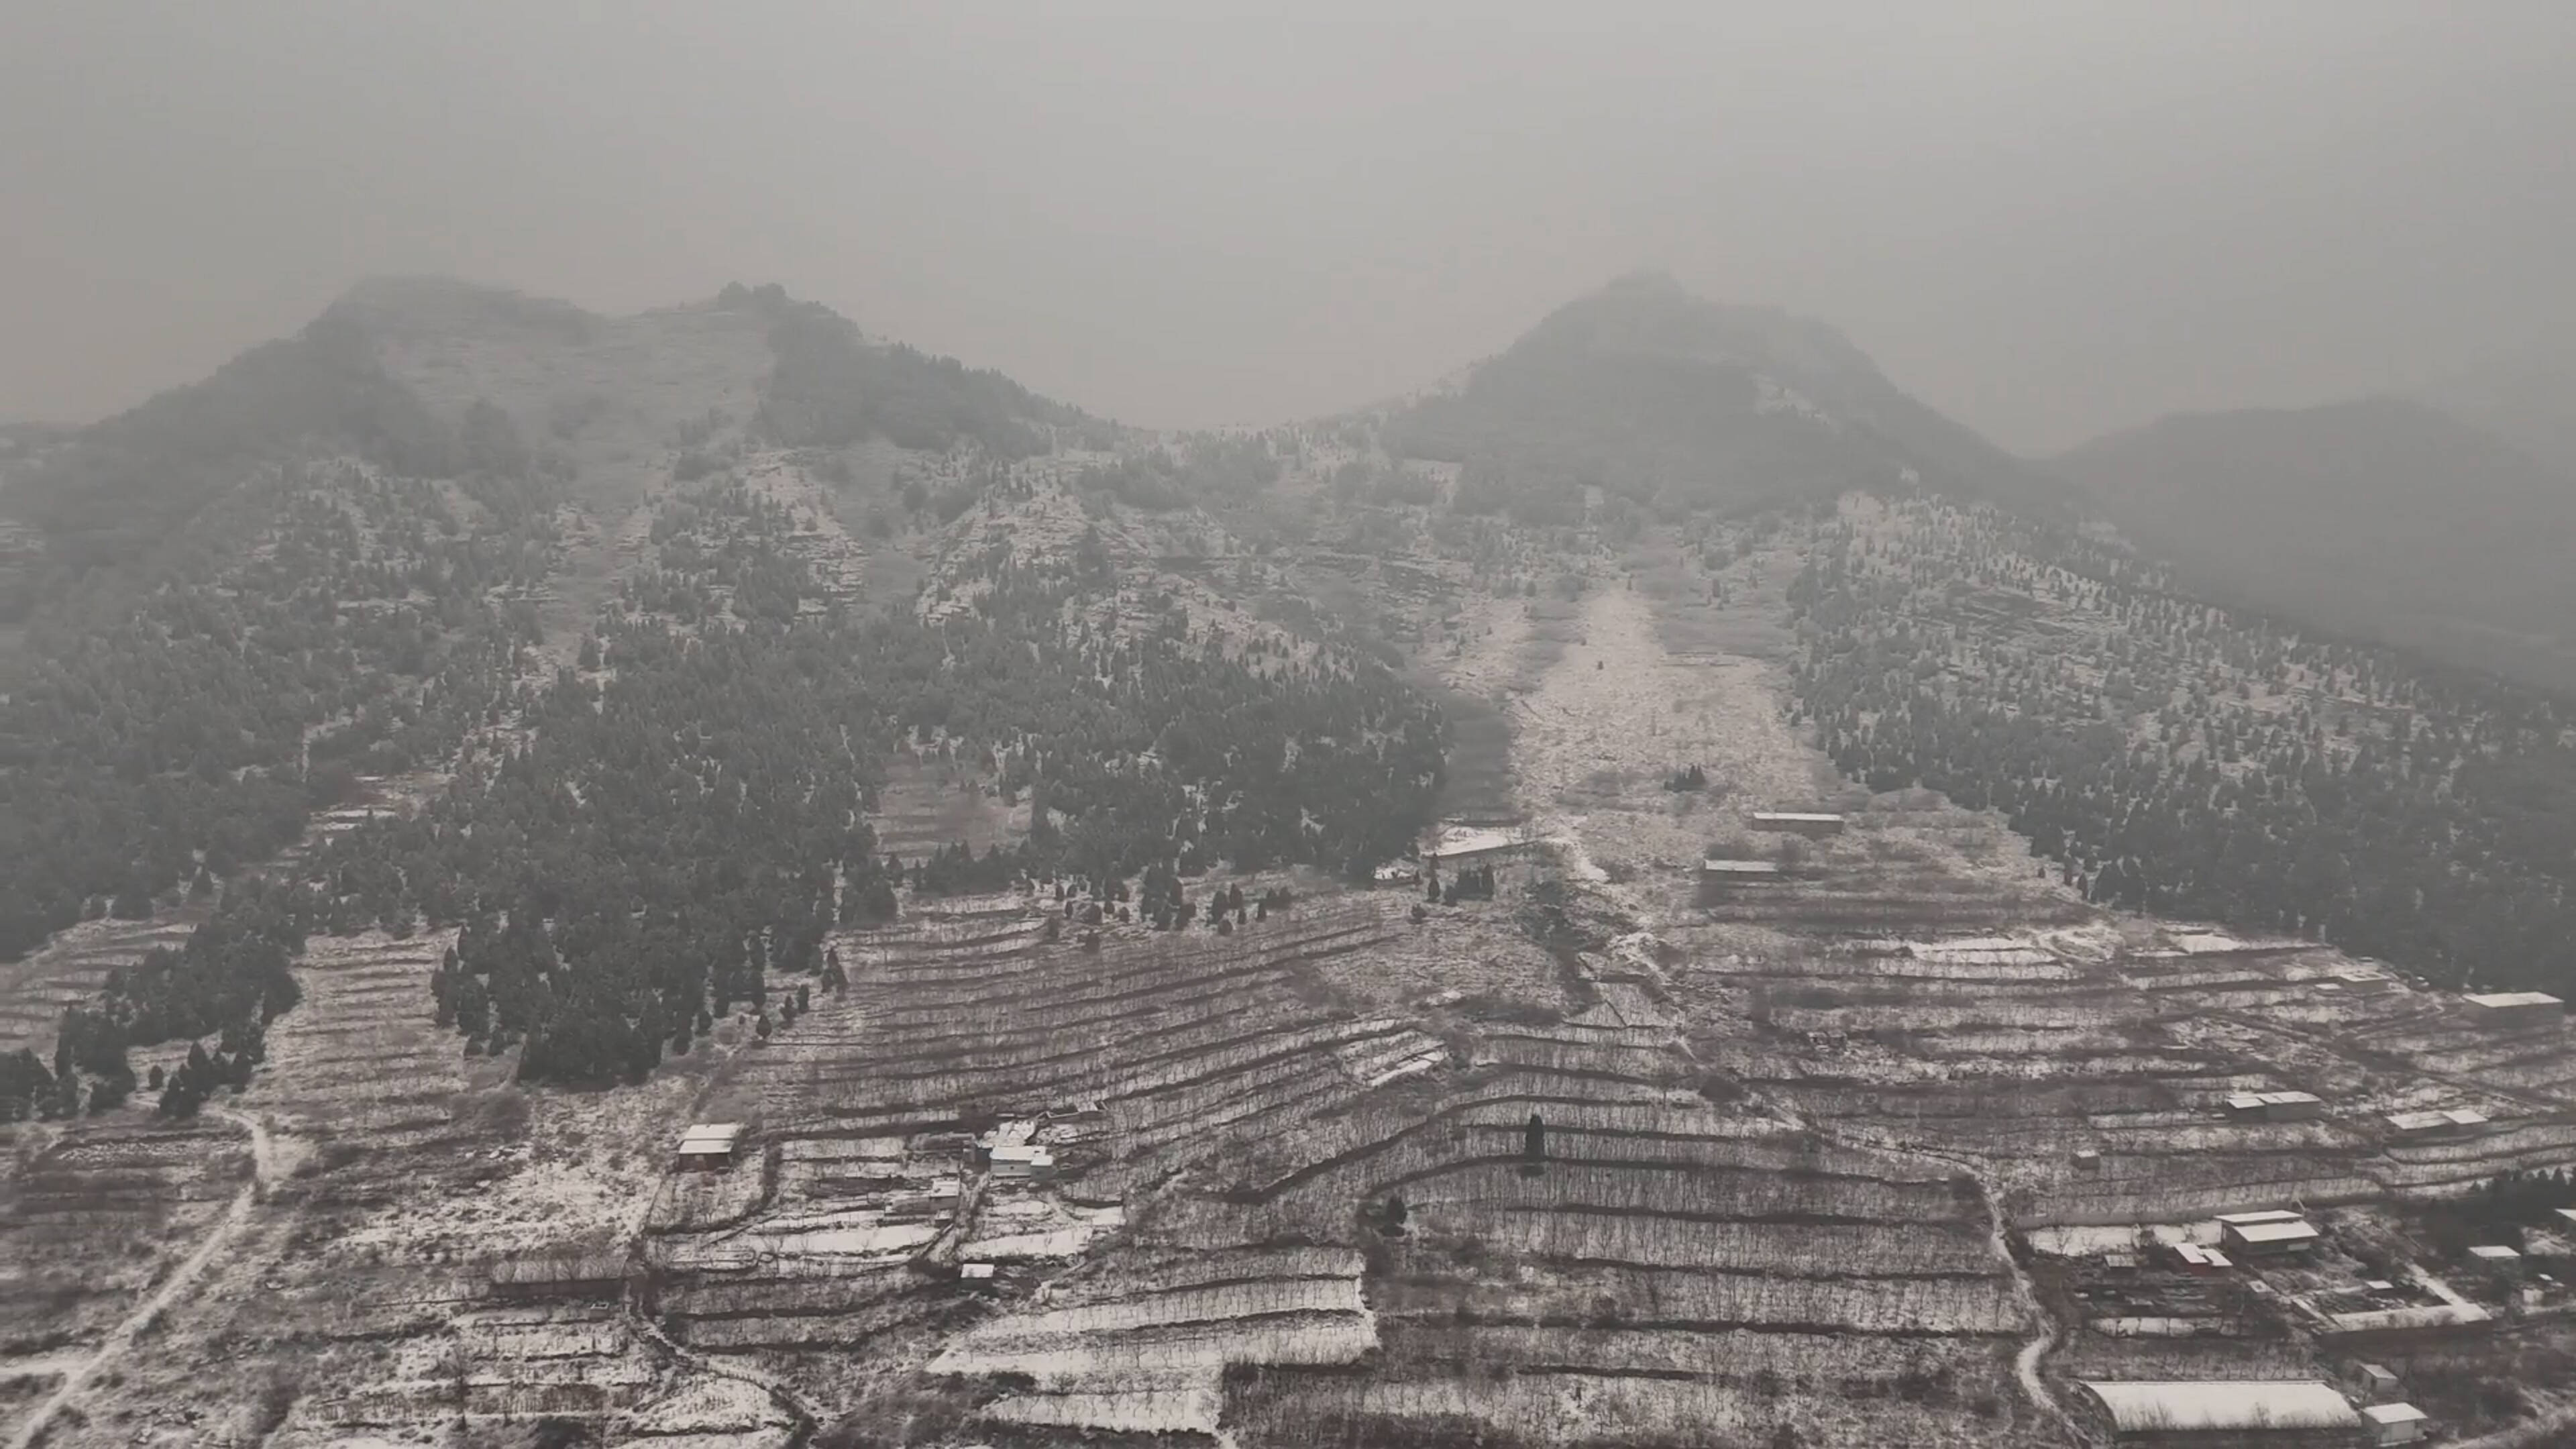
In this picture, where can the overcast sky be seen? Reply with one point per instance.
(2046, 219)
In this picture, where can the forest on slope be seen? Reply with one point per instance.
(2174, 757)
(298, 608)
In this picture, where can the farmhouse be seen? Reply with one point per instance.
(2275, 1106)
(2395, 1423)
(2267, 1233)
(2288, 1411)
(2515, 1009)
(1023, 1162)
(710, 1146)
(1814, 825)
(2434, 1126)
(2363, 980)
(2497, 1260)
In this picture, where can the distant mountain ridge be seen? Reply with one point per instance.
(2382, 517)
(1681, 404)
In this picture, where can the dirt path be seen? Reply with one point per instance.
(172, 1289)
(1608, 720)
(806, 1417)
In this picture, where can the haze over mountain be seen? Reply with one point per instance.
(2528, 399)
(2382, 518)
(1679, 404)
(2046, 220)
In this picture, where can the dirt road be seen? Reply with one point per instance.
(172, 1289)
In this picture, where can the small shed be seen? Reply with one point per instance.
(1023, 1162)
(1814, 824)
(2267, 1234)
(2496, 1260)
(2380, 1380)
(710, 1146)
(2437, 1126)
(1738, 872)
(2363, 980)
(2396, 1423)
(2515, 1009)
(2146, 1411)
(975, 1272)
(2275, 1106)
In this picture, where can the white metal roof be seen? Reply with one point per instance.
(2394, 1413)
(1803, 817)
(1741, 867)
(2495, 1252)
(2513, 998)
(2204, 1406)
(975, 1270)
(709, 1137)
(2242, 1101)
(2288, 1099)
(2291, 1232)
(2268, 1215)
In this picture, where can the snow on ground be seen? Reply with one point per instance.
(1617, 713)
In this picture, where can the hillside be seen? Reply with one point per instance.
(2380, 519)
(1023, 832)
(1681, 405)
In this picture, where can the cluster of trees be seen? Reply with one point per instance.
(184, 1092)
(1204, 468)
(829, 387)
(1475, 883)
(228, 636)
(2176, 758)
(686, 822)
(186, 733)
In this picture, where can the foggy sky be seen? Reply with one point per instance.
(2048, 220)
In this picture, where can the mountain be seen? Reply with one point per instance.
(2381, 518)
(1686, 405)
(2529, 400)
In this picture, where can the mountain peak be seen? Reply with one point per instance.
(1667, 399)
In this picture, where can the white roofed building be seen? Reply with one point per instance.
(708, 1146)
(2298, 1410)
(2515, 1009)
(2396, 1423)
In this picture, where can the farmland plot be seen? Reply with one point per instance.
(97, 1214)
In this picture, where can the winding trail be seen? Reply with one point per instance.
(172, 1289)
